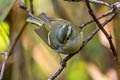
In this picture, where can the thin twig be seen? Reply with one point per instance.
(97, 29)
(69, 56)
(84, 43)
(31, 6)
(109, 37)
(12, 46)
(22, 6)
(101, 3)
(57, 72)
(90, 21)
(3, 65)
(61, 68)
(7, 54)
(25, 8)
(16, 39)
(94, 1)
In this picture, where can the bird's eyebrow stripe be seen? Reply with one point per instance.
(69, 31)
(49, 39)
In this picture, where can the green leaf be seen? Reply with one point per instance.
(5, 6)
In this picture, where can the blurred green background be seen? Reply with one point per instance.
(32, 59)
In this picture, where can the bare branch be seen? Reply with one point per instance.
(25, 8)
(31, 6)
(90, 21)
(84, 44)
(63, 64)
(101, 3)
(3, 65)
(97, 29)
(56, 73)
(12, 46)
(109, 37)
(94, 1)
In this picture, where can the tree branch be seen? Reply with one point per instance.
(25, 8)
(94, 1)
(63, 64)
(61, 68)
(90, 21)
(31, 6)
(109, 37)
(12, 46)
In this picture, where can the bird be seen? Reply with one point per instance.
(60, 35)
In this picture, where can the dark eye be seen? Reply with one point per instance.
(67, 38)
(64, 33)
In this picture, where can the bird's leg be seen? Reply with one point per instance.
(62, 63)
(59, 51)
(60, 58)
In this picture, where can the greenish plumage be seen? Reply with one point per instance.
(61, 35)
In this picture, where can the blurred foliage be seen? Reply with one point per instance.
(5, 6)
(116, 32)
(32, 59)
(78, 71)
(4, 36)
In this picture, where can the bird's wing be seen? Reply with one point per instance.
(46, 19)
(43, 33)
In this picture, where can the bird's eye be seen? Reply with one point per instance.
(64, 33)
